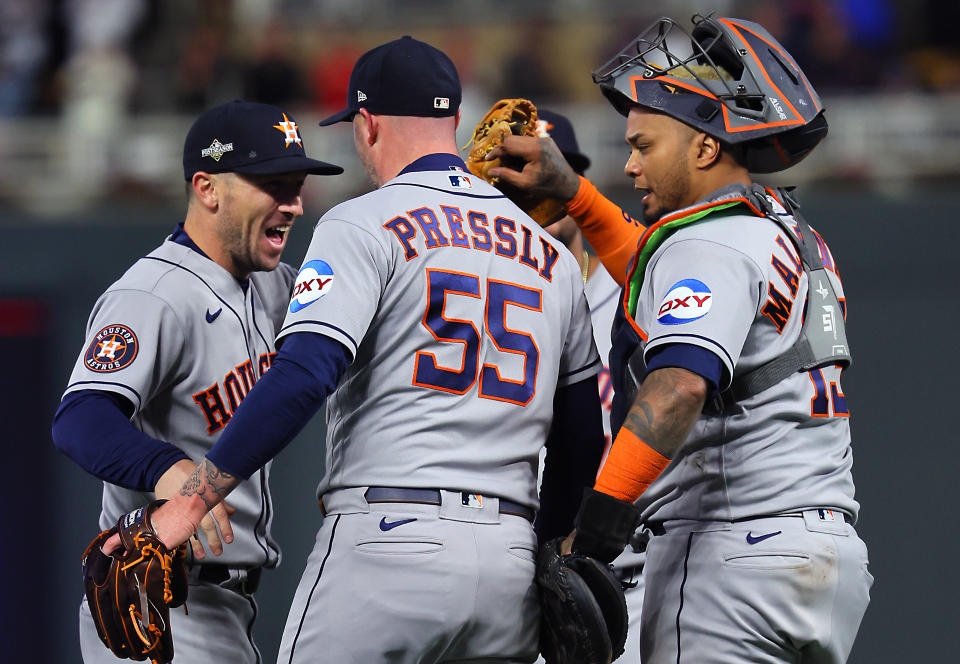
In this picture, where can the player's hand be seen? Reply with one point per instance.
(215, 524)
(173, 522)
(545, 170)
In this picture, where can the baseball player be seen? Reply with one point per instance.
(731, 425)
(602, 293)
(172, 348)
(450, 338)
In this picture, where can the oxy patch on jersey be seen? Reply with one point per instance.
(686, 301)
(314, 280)
(113, 348)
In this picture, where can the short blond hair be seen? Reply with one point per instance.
(705, 72)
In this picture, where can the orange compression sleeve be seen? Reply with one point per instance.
(631, 467)
(611, 232)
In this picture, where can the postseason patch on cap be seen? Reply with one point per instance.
(216, 150)
(113, 348)
(686, 301)
(314, 280)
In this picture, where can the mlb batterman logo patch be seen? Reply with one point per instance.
(314, 280)
(686, 301)
(113, 348)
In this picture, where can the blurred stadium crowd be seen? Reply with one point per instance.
(95, 95)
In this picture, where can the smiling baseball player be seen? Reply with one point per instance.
(453, 338)
(173, 347)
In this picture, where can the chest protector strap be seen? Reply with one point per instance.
(823, 336)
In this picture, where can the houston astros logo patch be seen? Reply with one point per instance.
(543, 128)
(314, 280)
(113, 348)
(686, 301)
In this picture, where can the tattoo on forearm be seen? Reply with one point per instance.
(210, 483)
(554, 175)
(665, 409)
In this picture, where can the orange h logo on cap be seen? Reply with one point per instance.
(289, 128)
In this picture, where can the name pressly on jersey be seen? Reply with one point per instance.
(236, 384)
(421, 230)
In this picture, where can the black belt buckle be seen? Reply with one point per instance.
(249, 582)
(246, 585)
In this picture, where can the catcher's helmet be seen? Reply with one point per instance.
(728, 78)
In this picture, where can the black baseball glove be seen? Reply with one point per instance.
(583, 610)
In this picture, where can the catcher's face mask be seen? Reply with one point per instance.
(728, 78)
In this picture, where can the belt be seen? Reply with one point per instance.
(657, 528)
(383, 494)
(244, 580)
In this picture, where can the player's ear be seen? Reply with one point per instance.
(368, 126)
(456, 122)
(205, 190)
(707, 149)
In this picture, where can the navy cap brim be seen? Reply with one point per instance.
(289, 164)
(346, 115)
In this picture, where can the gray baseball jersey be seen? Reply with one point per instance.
(179, 338)
(787, 448)
(462, 316)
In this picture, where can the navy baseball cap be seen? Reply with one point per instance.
(402, 77)
(560, 130)
(248, 137)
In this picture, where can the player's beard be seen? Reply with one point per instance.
(239, 238)
(670, 191)
(367, 160)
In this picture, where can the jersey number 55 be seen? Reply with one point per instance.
(499, 295)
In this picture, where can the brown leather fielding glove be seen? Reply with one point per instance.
(131, 591)
(506, 117)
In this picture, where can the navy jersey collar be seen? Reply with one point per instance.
(180, 236)
(439, 161)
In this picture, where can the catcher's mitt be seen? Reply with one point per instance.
(131, 591)
(506, 117)
(583, 610)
